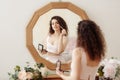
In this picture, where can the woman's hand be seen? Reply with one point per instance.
(44, 51)
(59, 72)
(63, 32)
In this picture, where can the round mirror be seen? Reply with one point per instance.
(38, 28)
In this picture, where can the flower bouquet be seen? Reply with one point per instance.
(28, 73)
(109, 69)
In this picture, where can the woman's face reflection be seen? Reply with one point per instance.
(55, 25)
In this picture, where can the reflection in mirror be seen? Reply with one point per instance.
(41, 30)
(38, 28)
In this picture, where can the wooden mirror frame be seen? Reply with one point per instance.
(31, 24)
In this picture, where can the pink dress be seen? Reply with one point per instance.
(87, 72)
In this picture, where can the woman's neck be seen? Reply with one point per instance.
(57, 33)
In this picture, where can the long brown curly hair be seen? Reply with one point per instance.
(91, 39)
(61, 22)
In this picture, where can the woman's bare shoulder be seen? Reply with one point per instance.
(77, 52)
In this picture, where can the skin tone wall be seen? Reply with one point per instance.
(15, 16)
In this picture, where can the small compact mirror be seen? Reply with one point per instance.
(40, 47)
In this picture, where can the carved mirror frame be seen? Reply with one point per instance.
(31, 24)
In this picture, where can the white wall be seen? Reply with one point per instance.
(15, 15)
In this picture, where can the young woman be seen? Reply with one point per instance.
(57, 39)
(89, 51)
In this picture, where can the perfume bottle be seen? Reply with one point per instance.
(58, 65)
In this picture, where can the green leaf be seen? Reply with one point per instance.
(17, 68)
(39, 65)
(29, 69)
(100, 71)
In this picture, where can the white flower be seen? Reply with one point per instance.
(29, 75)
(110, 67)
(109, 70)
(22, 75)
(102, 63)
(113, 62)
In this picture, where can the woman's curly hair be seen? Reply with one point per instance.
(91, 39)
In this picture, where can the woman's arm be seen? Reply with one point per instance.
(75, 69)
(62, 42)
